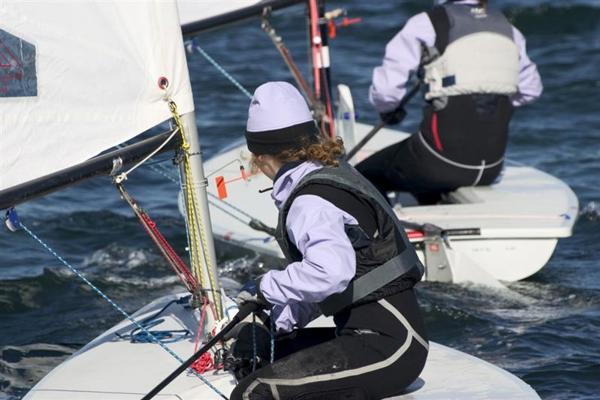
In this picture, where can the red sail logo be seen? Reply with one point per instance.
(7, 58)
(18, 76)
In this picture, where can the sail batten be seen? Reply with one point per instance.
(93, 82)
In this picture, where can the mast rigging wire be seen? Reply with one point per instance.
(191, 45)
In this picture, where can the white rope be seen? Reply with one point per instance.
(123, 176)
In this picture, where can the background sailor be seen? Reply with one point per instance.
(475, 70)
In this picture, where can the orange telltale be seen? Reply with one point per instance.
(221, 188)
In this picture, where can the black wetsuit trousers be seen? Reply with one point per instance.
(461, 145)
(410, 167)
(378, 350)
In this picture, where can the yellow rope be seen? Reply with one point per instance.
(197, 232)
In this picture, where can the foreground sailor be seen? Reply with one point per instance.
(348, 257)
(475, 70)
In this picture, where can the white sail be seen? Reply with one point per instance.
(79, 77)
(199, 10)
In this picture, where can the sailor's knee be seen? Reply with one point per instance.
(252, 390)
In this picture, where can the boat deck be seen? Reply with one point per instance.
(110, 367)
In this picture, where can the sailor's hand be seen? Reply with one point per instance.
(258, 320)
(393, 117)
(250, 349)
(250, 292)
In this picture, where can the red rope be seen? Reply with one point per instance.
(436, 133)
(200, 325)
(205, 362)
(175, 261)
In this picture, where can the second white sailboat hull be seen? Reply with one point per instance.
(518, 220)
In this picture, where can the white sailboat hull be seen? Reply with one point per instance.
(519, 218)
(113, 368)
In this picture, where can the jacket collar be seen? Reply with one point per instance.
(285, 182)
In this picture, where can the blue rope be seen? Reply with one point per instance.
(254, 345)
(272, 333)
(162, 170)
(254, 355)
(118, 308)
(165, 336)
(192, 45)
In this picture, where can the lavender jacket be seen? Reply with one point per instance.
(403, 56)
(329, 262)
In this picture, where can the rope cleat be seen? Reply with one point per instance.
(11, 220)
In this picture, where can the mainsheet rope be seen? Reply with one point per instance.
(117, 307)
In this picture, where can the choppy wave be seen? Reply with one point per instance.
(590, 212)
(526, 302)
(23, 366)
(555, 17)
(542, 332)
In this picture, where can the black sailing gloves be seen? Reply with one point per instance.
(250, 292)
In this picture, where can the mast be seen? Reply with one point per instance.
(325, 67)
(318, 42)
(325, 76)
(197, 189)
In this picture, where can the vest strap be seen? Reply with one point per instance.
(370, 282)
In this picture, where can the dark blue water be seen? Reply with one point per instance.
(546, 331)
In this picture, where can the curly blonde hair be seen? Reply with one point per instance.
(327, 151)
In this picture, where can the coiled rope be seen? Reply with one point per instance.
(165, 336)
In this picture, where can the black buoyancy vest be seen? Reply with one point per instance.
(386, 262)
(470, 129)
